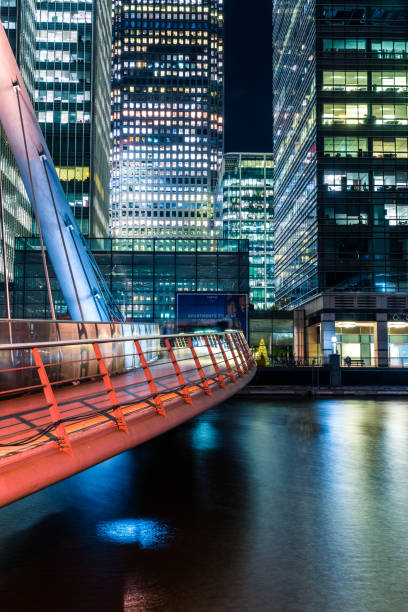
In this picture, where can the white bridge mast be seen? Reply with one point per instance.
(73, 264)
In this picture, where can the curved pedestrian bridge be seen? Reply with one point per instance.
(65, 406)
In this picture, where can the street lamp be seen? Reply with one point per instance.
(334, 342)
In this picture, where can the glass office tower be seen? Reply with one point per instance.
(18, 22)
(245, 192)
(340, 152)
(167, 116)
(73, 101)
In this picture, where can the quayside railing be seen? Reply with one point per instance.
(128, 373)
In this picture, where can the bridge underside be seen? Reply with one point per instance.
(41, 462)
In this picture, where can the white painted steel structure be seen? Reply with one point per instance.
(77, 274)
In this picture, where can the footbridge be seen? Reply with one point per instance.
(67, 405)
(70, 401)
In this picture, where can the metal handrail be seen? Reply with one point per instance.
(134, 387)
(56, 343)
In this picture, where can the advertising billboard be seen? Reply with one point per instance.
(200, 311)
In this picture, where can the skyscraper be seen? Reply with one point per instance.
(18, 22)
(245, 194)
(167, 116)
(341, 176)
(73, 101)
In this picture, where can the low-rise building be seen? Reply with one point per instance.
(144, 275)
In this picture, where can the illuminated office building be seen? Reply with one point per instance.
(145, 276)
(167, 116)
(341, 173)
(18, 21)
(245, 192)
(73, 50)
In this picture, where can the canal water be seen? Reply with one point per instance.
(253, 506)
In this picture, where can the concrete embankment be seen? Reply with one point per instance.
(308, 391)
(308, 381)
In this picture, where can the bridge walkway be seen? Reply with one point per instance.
(96, 421)
(87, 404)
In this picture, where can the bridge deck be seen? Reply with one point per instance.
(33, 454)
(26, 417)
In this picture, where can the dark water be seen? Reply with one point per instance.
(253, 506)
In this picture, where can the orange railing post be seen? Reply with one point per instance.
(220, 377)
(231, 348)
(117, 411)
(227, 363)
(63, 441)
(200, 370)
(150, 380)
(246, 349)
(180, 377)
(240, 352)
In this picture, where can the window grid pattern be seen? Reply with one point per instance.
(167, 116)
(73, 46)
(245, 195)
(144, 275)
(18, 21)
(340, 193)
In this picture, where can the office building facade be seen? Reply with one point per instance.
(341, 174)
(18, 21)
(73, 48)
(143, 275)
(167, 116)
(245, 206)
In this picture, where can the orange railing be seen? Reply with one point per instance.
(115, 376)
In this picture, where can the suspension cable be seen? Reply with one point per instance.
(16, 86)
(96, 300)
(4, 249)
(44, 160)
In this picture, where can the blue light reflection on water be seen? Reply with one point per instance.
(147, 533)
(204, 436)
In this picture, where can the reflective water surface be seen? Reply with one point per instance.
(256, 505)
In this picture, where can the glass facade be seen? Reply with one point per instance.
(143, 275)
(18, 22)
(245, 203)
(73, 47)
(398, 343)
(167, 116)
(275, 328)
(340, 148)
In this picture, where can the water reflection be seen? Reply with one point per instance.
(142, 595)
(263, 505)
(146, 533)
(204, 436)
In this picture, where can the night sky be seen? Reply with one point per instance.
(248, 75)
